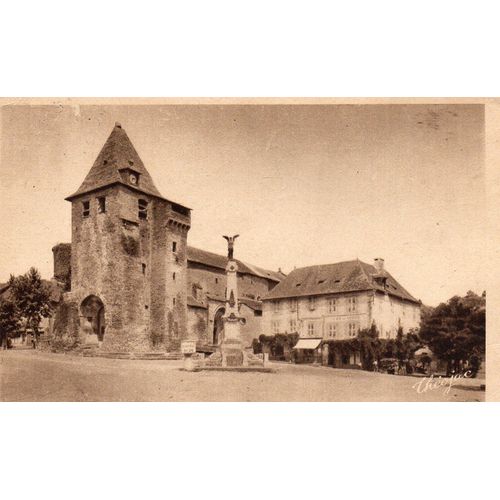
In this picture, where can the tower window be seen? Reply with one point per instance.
(143, 209)
(102, 204)
(173, 301)
(173, 276)
(143, 268)
(174, 246)
(86, 208)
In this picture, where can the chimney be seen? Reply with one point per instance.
(378, 263)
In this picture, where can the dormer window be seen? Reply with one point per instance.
(130, 176)
(86, 208)
(143, 209)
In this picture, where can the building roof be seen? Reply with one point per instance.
(117, 153)
(341, 277)
(220, 262)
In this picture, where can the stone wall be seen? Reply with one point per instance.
(62, 264)
(198, 325)
(65, 325)
(128, 263)
(252, 327)
(176, 281)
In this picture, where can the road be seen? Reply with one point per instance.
(28, 375)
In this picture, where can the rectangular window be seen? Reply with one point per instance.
(101, 204)
(332, 330)
(143, 268)
(332, 305)
(173, 301)
(277, 305)
(310, 329)
(312, 303)
(293, 326)
(86, 208)
(293, 305)
(174, 246)
(351, 301)
(276, 327)
(143, 209)
(173, 276)
(353, 329)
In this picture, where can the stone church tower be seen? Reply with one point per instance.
(128, 255)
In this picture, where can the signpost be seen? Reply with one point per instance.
(188, 348)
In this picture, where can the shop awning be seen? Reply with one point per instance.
(307, 344)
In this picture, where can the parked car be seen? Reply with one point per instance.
(389, 365)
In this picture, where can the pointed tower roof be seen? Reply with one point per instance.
(118, 153)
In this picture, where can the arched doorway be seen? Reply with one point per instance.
(92, 309)
(218, 326)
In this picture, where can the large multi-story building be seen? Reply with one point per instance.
(336, 301)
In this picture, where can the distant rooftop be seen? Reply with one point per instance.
(220, 261)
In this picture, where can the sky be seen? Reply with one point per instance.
(301, 184)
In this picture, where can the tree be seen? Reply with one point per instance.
(456, 331)
(31, 298)
(9, 321)
(369, 346)
(275, 345)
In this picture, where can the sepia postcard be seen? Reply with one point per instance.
(244, 250)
